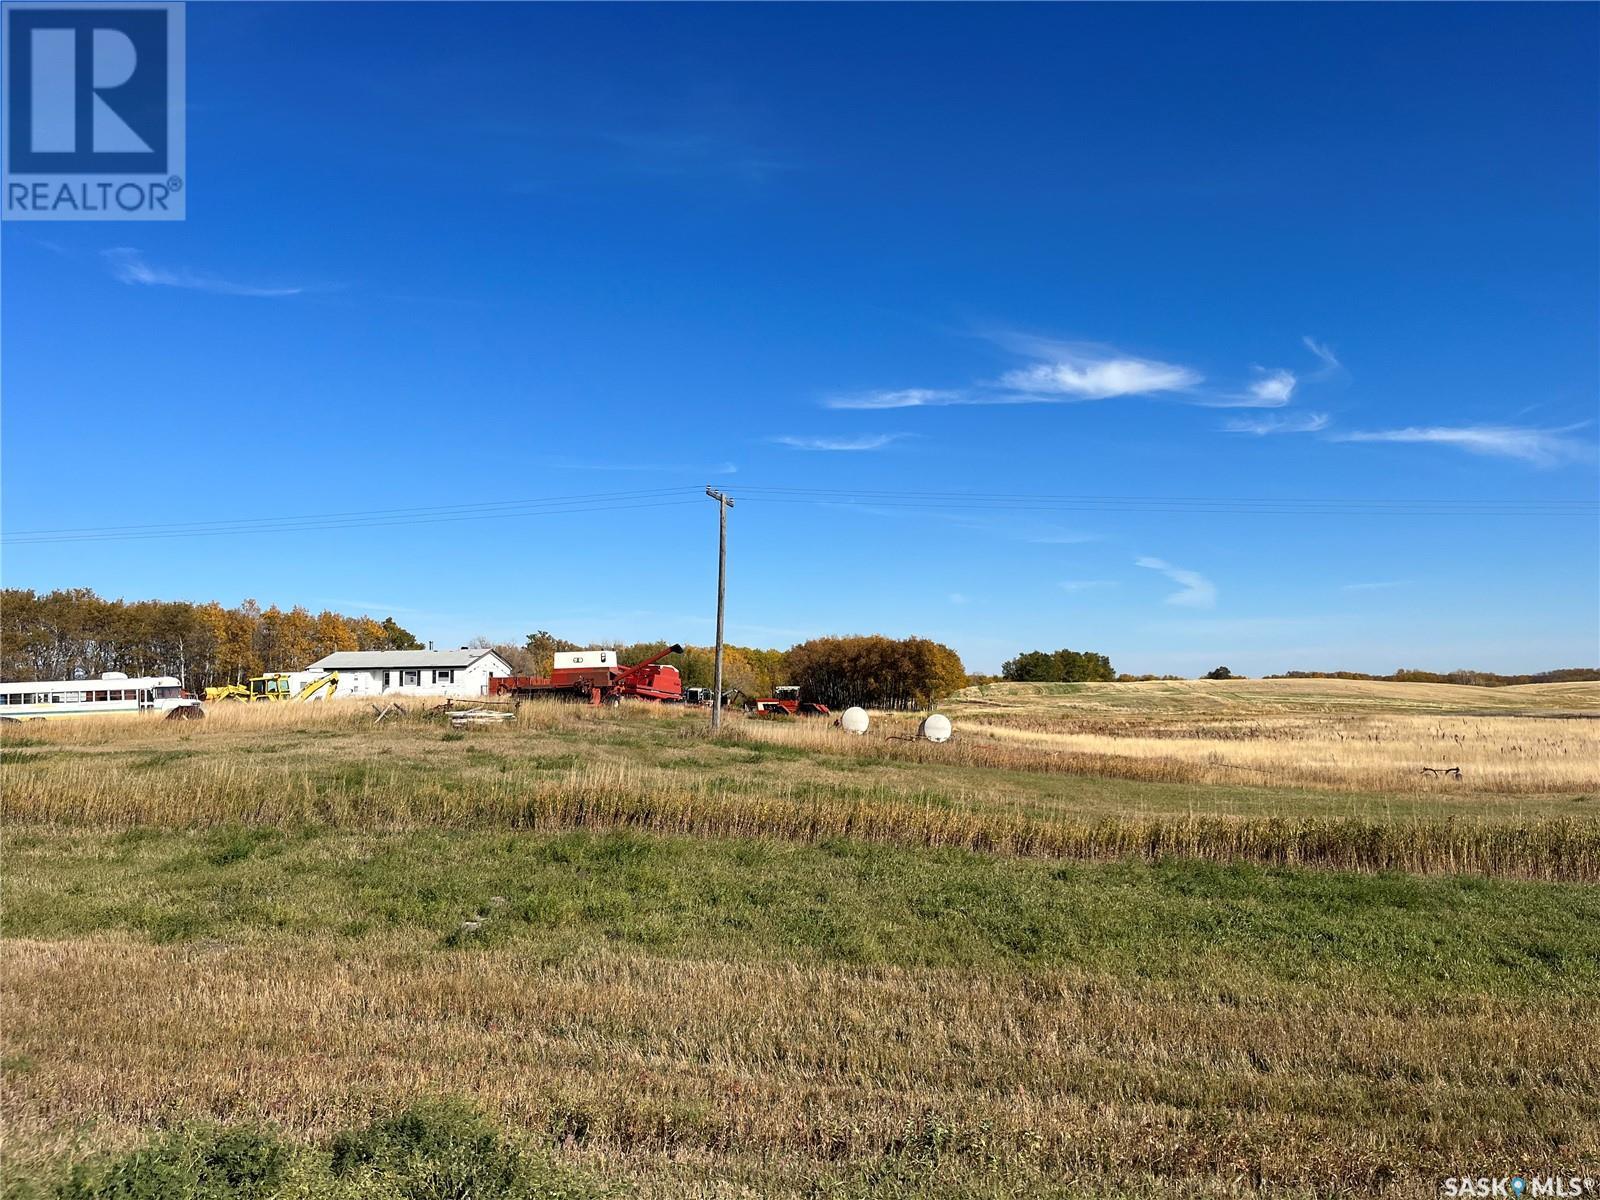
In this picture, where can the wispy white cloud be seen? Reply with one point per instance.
(1261, 426)
(1196, 591)
(1539, 447)
(958, 598)
(1074, 372)
(1059, 372)
(129, 266)
(868, 441)
(1085, 585)
(1330, 363)
(901, 398)
(1383, 585)
(1273, 388)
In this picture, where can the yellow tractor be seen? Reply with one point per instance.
(277, 686)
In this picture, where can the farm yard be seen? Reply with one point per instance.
(1125, 939)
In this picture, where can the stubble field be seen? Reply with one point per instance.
(1120, 940)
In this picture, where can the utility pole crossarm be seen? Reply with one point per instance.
(723, 505)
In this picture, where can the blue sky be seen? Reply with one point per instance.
(456, 255)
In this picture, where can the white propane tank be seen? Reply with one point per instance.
(854, 720)
(936, 728)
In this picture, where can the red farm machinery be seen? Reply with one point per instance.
(595, 677)
(785, 702)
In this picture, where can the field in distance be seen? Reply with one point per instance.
(1332, 733)
(1259, 697)
(1076, 951)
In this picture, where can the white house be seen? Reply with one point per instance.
(463, 672)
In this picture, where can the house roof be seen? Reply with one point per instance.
(394, 660)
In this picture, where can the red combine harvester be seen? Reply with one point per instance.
(594, 677)
(785, 702)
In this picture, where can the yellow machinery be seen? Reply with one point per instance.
(276, 686)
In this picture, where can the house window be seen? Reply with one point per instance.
(444, 676)
(410, 678)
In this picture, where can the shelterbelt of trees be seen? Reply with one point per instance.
(879, 672)
(1058, 666)
(1470, 678)
(73, 633)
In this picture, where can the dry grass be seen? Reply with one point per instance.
(675, 1074)
(741, 1060)
(657, 769)
(1335, 734)
(1517, 756)
(1514, 755)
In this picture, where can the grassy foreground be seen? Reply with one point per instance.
(1071, 954)
(680, 1015)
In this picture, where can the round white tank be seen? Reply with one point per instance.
(854, 720)
(935, 728)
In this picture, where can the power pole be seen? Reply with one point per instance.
(723, 505)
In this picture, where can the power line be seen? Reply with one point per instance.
(320, 525)
(664, 497)
(369, 512)
(1201, 505)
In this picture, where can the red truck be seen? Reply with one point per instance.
(595, 677)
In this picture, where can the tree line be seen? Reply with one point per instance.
(1058, 666)
(1470, 678)
(872, 671)
(73, 633)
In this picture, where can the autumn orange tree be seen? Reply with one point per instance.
(74, 633)
(876, 672)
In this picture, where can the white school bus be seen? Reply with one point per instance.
(111, 694)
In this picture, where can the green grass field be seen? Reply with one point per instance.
(783, 963)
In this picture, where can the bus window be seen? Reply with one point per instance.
(167, 693)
